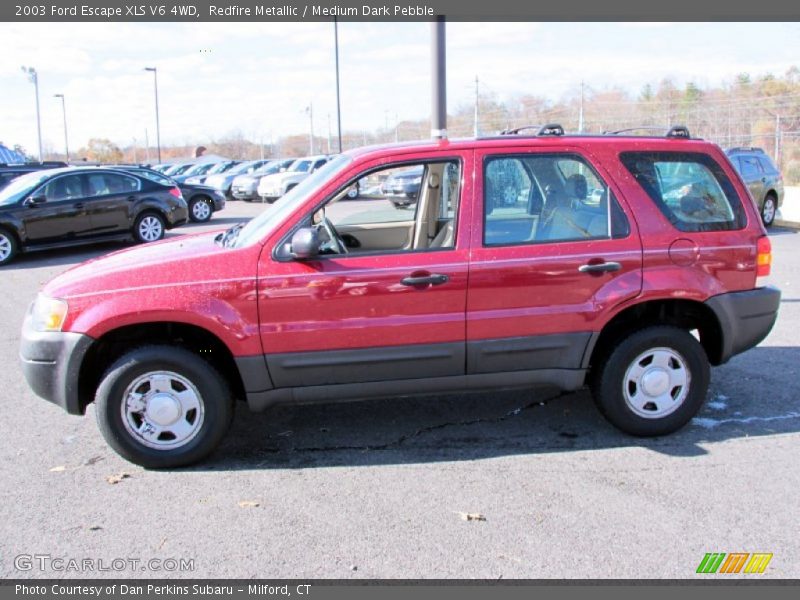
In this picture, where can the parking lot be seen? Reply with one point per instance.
(524, 484)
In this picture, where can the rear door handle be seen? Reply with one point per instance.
(434, 279)
(130, 198)
(604, 267)
(78, 205)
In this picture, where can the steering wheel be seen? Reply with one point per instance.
(337, 244)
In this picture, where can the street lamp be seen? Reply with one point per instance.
(158, 127)
(34, 78)
(338, 103)
(64, 111)
(310, 112)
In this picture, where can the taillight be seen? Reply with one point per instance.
(763, 260)
(175, 192)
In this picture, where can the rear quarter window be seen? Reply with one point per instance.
(689, 188)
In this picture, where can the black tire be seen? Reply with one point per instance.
(200, 209)
(215, 398)
(769, 209)
(610, 378)
(149, 217)
(8, 246)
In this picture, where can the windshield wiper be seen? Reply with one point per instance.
(227, 238)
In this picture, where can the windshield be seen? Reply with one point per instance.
(178, 169)
(259, 227)
(199, 169)
(269, 168)
(245, 167)
(222, 167)
(301, 166)
(21, 187)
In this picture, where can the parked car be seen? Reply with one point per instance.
(8, 172)
(762, 178)
(224, 181)
(402, 188)
(597, 272)
(162, 168)
(203, 201)
(179, 169)
(220, 167)
(77, 205)
(272, 187)
(196, 172)
(244, 187)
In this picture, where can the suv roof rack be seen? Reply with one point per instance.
(745, 149)
(677, 131)
(548, 129)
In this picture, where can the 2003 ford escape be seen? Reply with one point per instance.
(628, 263)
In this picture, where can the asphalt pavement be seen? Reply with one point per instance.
(524, 484)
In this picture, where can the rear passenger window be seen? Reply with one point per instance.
(104, 184)
(539, 198)
(690, 189)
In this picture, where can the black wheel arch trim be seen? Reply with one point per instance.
(746, 318)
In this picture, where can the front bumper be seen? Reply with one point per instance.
(746, 318)
(219, 202)
(51, 363)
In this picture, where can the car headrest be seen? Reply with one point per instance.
(577, 187)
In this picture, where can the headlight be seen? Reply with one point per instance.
(48, 314)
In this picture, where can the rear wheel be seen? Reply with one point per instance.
(769, 209)
(653, 382)
(8, 247)
(149, 227)
(200, 209)
(163, 407)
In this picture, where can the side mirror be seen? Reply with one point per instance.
(35, 200)
(305, 243)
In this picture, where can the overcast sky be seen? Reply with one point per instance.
(257, 78)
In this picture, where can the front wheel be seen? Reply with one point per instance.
(163, 407)
(8, 247)
(149, 227)
(653, 382)
(200, 210)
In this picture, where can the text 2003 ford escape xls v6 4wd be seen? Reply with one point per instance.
(628, 263)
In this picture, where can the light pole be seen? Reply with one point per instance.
(34, 78)
(310, 111)
(158, 126)
(338, 103)
(64, 112)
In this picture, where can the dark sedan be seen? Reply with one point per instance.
(402, 187)
(66, 207)
(203, 200)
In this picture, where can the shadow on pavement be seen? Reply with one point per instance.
(751, 396)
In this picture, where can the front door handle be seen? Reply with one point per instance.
(603, 267)
(433, 279)
(78, 205)
(130, 198)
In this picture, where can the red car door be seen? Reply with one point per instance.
(370, 316)
(555, 250)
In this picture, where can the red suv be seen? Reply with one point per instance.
(628, 263)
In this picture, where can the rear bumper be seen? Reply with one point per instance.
(746, 318)
(177, 216)
(51, 364)
(219, 202)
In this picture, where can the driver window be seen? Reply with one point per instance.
(400, 208)
(68, 187)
